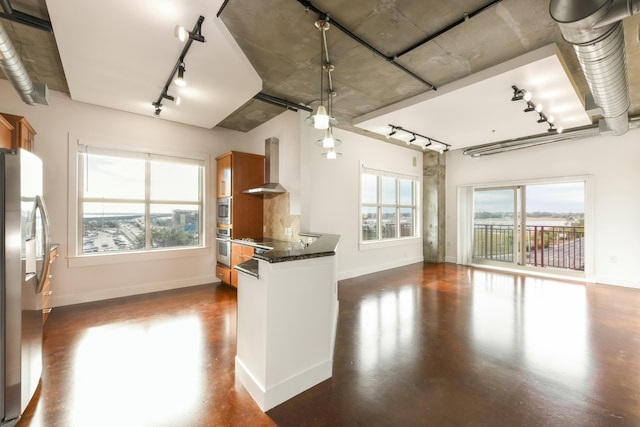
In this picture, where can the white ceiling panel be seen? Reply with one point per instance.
(478, 109)
(120, 54)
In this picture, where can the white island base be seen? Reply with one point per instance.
(286, 328)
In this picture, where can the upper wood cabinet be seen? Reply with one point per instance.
(224, 175)
(23, 133)
(237, 172)
(6, 134)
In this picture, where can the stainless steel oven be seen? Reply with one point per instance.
(223, 210)
(223, 246)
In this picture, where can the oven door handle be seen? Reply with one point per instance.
(223, 239)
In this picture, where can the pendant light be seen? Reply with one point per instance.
(322, 119)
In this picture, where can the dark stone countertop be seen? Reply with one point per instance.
(281, 251)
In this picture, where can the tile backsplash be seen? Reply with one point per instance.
(277, 219)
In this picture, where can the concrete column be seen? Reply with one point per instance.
(433, 202)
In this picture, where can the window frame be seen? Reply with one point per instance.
(379, 205)
(78, 259)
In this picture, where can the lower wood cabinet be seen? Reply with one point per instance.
(239, 254)
(223, 273)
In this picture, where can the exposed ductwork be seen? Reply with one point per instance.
(541, 139)
(594, 27)
(13, 68)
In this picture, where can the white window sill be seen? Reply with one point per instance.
(387, 243)
(121, 258)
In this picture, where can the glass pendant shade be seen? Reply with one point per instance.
(328, 141)
(331, 154)
(321, 119)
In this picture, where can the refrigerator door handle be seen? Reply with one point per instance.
(42, 207)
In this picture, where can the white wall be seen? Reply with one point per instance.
(53, 123)
(612, 163)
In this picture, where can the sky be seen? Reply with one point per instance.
(555, 198)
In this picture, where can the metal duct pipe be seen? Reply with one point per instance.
(595, 29)
(12, 67)
(541, 139)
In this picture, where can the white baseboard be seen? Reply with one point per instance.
(279, 393)
(145, 288)
(348, 274)
(616, 281)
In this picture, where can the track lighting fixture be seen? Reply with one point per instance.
(179, 68)
(432, 144)
(521, 94)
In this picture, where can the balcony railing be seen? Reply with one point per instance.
(544, 246)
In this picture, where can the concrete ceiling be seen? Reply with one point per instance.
(276, 42)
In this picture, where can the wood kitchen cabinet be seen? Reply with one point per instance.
(223, 273)
(239, 254)
(23, 133)
(224, 176)
(237, 172)
(46, 287)
(6, 134)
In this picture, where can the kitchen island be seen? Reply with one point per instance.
(287, 317)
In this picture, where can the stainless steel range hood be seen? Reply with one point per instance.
(271, 170)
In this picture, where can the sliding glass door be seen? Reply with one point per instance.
(535, 225)
(495, 225)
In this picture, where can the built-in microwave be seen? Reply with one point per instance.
(223, 211)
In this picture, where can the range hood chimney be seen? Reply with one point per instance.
(271, 170)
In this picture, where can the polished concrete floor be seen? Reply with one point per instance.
(422, 345)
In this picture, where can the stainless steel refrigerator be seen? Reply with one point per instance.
(24, 253)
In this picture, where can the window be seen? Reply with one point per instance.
(133, 202)
(388, 205)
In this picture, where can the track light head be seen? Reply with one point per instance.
(180, 81)
(530, 107)
(412, 139)
(542, 118)
(390, 134)
(181, 33)
(518, 94)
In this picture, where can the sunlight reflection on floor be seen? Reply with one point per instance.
(126, 362)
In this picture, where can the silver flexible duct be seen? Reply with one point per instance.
(594, 28)
(12, 67)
